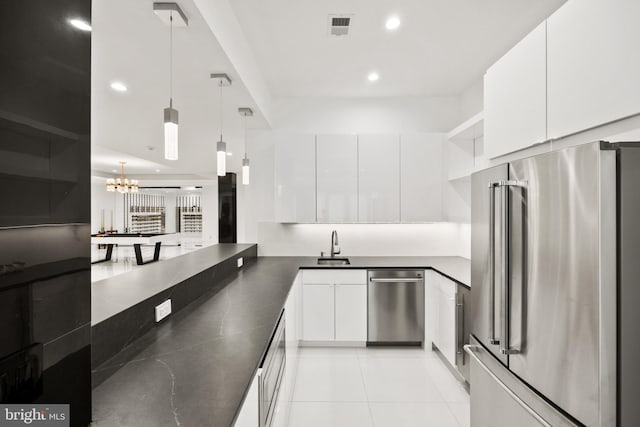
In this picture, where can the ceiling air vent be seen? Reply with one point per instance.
(339, 25)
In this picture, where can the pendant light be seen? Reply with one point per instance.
(221, 146)
(245, 112)
(171, 14)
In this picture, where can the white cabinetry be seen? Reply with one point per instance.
(593, 64)
(444, 317)
(421, 177)
(249, 415)
(295, 178)
(378, 178)
(351, 312)
(337, 178)
(334, 305)
(515, 105)
(318, 312)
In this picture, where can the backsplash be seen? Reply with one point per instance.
(434, 239)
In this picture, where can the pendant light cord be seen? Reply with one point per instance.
(171, 60)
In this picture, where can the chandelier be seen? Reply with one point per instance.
(122, 184)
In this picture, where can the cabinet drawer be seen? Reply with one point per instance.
(342, 277)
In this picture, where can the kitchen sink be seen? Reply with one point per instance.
(333, 261)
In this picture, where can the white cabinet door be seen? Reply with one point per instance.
(421, 177)
(446, 321)
(249, 415)
(295, 178)
(593, 64)
(351, 312)
(292, 318)
(430, 308)
(378, 178)
(515, 113)
(337, 178)
(318, 313)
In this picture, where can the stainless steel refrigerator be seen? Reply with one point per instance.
(555, 250)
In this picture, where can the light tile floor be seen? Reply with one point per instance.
(384, 387)
(124, 259)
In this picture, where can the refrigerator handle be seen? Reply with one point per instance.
(505, 294)
(492, 264)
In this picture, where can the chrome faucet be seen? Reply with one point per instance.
(335, 248)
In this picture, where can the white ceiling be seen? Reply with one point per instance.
(131, 44)
(441, 47)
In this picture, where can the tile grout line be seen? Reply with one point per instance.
(364, 386)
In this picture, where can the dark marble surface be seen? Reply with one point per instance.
(195, 368)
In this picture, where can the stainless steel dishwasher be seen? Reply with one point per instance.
(395, 307)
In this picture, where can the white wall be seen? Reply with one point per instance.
(255, 202)
(472, 100)
(101, 200)
(366, 115)
(436, 239)
(209, 204)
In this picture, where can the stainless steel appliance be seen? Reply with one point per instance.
(270, 374)
(395, 307)
(555, 238)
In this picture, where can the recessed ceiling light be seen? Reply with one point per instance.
(229, 153)
(373, 76)
(158, 170)
(118, 86)
(113, 170)
(393, 22)
(80, 24)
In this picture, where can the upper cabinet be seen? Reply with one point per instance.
(421, 177)
(593, 64)
(381, 178)
(378, 178)
(337, 178)
(295, 178)
(515, 97)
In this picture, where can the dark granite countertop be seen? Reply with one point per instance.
(195, 368)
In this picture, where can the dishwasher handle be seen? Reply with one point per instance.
(397, 280)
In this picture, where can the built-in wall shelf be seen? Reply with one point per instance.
(471, 129)
(465, 151)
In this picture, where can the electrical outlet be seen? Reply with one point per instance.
(163, 310)
(240, 261)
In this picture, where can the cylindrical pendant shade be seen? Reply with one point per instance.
(170, 133)
(245, 171)
(222, 158)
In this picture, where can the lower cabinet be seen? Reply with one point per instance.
(249, 415)
(334, 305)
(351, 312)
(318, 312)
(445, 319)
